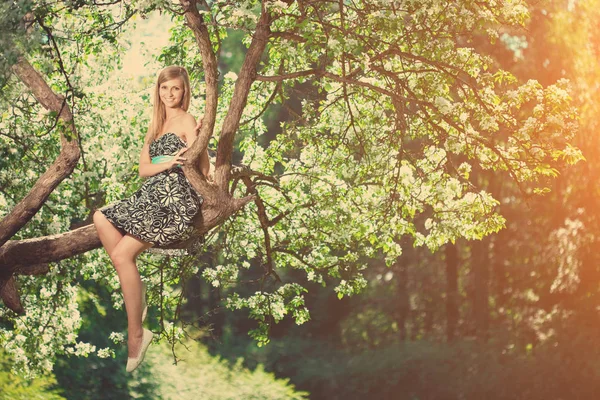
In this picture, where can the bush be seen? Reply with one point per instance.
(423, 370)
(13, 387)
(202, 376)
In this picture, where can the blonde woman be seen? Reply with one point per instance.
(162, 210)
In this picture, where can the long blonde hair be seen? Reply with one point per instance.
(159, 113)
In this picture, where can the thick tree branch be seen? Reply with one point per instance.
(218, 205)
(28, 256)
(22, 255)
(245, 79)
(63, 165)
(9, 293)
(209, 62)
(36, 269)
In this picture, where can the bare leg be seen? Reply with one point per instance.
(131, 284)
(123, 257)
(108, 234)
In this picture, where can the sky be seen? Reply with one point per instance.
(147, 37)
(143, 38)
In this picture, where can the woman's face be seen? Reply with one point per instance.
(171, 92)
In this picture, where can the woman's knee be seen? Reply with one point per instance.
(102, 223)
(98, 218)
(121, 258)
(127, 250)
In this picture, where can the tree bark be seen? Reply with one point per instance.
(23, 255)
(60, 169)
(10, 294)
(63, 165)
(244, 81)
(218, 203)
(231, 122)
(209, 63)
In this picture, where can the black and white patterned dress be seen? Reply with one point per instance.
(162, 209)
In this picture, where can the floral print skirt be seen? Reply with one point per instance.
(162, 210)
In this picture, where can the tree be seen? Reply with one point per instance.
(400, 108)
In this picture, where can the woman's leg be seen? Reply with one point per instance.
(108, 234)
(123, 257)
(131, 284)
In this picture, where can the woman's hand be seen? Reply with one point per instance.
(178, 160)
(197, 128)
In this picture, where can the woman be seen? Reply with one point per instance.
(162, 210)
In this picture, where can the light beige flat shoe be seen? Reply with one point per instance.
(144, 304)
(134, 362)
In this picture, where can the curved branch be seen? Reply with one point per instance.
(209, 62)
(245, 79)
(28, 256)
(17, 255)
(9, 293)
(63, 165)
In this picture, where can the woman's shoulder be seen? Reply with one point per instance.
(185, 119)
(185, 123)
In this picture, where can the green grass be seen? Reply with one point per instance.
(198, 375)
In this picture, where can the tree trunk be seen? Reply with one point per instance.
(429, 305)
(451, 254)
(480, 265)
(217, 318)
(403, 299)
(500, 281)
(194, 306)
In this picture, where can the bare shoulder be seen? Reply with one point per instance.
(186, 126)
(187, 120)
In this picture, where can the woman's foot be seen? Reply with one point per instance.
(134, 343)
(137, 353)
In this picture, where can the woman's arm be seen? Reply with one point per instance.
(147, 169)
(191, 133)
